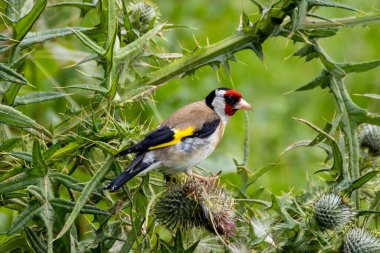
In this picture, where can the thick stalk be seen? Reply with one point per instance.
(255, 35)
(340, 22)
(349, 125)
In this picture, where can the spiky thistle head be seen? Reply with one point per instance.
(193, 203)
(360, 240)
(369, 137)
(142, 15)
(331, 211)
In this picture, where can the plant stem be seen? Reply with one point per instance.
(253, 36)
(341, 22)
(349, 125)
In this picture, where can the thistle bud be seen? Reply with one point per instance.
(359, 240)
(369, 137)
(193, 203)
(331, 212)
(142, 16)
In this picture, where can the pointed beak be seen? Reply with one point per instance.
(243, 105)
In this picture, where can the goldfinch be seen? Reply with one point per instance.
(184, 139)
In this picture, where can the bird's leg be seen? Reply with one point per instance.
(211, 179)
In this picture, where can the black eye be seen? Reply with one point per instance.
(231, 100)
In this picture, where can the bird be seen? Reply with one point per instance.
(184, 139)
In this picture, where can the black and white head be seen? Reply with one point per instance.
(225, 102)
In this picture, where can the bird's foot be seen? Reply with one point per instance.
(207, 180)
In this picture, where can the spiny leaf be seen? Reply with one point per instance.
(18, 182)
(300, 14)
(36, 192)
(307, 143)
(85, 195)
(48, 214)
(87, 41)
(107, 148)
(275, 204)
(192, 248)
(10, 75)
(258, 173)
(85, 7)
(68, 206)
(10, 116)
(367, 212)
(13, 243)
(35, 241)
(178, 244)
(27, 214)
(112, 80)
(23, 25)
(68, 149)
(337, 154)
(328, 3)
(27, 157)
(306, 51)
(122, 53)
(39, 164)
(356, 184)
(134, 93)
(9, 144)
(91, 57)
(360, 67)
(3, 37)
(91, 87)
(111, 15)
(68, 124)
(66, 180)
(321, 33)
(310, 14)
(36, 97)
(38, 37)
(323, 80)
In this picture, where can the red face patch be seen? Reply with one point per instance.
(231, 97)
(233, 93)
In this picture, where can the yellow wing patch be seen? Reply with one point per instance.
(179, 134)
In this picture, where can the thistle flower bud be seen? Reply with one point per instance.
(331, 212)
(369, 137)
(193, 203)
(142, 15)
(359, 240)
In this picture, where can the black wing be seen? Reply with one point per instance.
(136, 166)
(207, 129)
(165, 134)
(159, 136)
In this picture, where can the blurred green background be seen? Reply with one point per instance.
(263, 84)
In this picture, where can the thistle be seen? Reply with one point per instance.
(331, 211)
(142, 16)
(369, 137)
(193, 203)
(360, 240)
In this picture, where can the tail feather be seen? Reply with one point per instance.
(137, 166)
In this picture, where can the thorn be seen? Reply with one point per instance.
(196, 42)
(215, 67)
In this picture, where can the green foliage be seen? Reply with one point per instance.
(52, 174)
